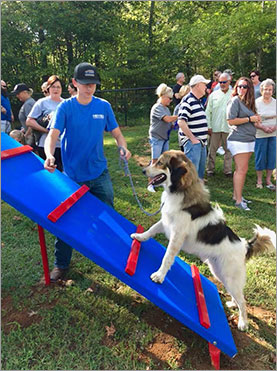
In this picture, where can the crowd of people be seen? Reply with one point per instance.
(211, 114)
(207, 113)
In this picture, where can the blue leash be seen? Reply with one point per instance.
(127, 172)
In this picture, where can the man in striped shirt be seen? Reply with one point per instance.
(193, 127)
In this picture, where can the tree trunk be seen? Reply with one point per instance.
(150, 30)
(43, 55)
(69, 50)
(260, 50)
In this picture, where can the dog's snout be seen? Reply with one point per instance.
(144, 171)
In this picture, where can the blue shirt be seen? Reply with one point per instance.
(82, 130)
(7, 105)
(192, 111)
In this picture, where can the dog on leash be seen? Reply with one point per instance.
(191, 224)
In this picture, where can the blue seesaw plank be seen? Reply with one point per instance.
(101, 234)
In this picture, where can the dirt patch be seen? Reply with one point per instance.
(195, 353)
(162, 350)
(108, 339)
(13, 318)
(142, 160)
(173, 343)
(262, 314)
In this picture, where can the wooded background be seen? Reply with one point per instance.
(136, 43)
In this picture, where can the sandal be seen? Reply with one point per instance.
(271, 187)
(260, 186)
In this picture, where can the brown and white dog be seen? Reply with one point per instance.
(190, 223)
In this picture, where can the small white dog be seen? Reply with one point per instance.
(190, 223)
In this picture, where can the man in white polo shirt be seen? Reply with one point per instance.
(218, 125)
(193, 127)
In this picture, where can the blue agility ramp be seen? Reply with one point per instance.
(103, 235)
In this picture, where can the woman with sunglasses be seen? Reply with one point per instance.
(255, 78)
(242, 119)
(161, 121)
(41, 113)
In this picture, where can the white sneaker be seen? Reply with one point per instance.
(220, 151)
(244, 200)
(242, 206)
(151, 188)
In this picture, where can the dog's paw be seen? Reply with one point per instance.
(139, 236)
(242, 325)
(157, 277)
(231, 304)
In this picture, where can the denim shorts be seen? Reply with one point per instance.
(197, 153)
(158, 146)
(265, 153)
(5, 126)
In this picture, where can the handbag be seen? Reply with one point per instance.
(43, 121)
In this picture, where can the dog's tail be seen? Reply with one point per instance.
(264, 240)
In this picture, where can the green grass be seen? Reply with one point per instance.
(65, 327)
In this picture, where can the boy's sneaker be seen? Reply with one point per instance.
(58, 274)
(151, 188)
(242, 206)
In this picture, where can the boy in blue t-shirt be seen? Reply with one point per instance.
(81, 121)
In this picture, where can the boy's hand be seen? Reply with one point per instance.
(49, 164)
(125, 153)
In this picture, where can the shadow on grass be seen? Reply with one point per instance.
(252, 354)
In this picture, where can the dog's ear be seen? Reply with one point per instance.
(192, 175)
(178, 170)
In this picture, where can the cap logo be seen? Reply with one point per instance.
(89, 73)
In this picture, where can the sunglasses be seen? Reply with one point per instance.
(222, 82)
(252, 76)
(243, 86)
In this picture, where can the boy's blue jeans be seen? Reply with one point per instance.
(100, 187)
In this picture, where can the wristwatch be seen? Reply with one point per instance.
(249, 119)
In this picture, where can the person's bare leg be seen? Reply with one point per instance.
(241, 162)
(259, 176)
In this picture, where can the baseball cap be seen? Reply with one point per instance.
(85, 73)
(19, 88)
(198, 78)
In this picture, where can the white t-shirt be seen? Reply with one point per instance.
(266, 110)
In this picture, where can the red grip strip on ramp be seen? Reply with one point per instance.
(133, 256)
(215, 356)
(8, 153)
(200, 298)
(66, 205)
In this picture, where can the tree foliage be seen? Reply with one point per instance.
(136, 43)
